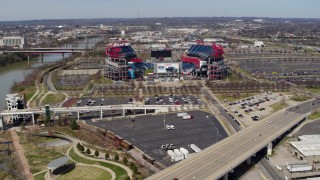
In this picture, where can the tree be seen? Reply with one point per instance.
(81, 148)
(74, 125)
(116, 157)
(106, 156)
(135, 169)
(127, 178)
(78, 145)
(88, 151)
(132, 165)
(96, 153)
(125, 160)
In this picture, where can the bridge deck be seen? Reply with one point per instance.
(217, 160)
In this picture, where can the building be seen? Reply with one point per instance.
(167, 70)
(258, 44)
(120, 59)
(14, 103)
(204, 60)
(307, 148)
(13, 41)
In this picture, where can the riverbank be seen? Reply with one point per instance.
(13, 75)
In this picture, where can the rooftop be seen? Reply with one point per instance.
(308, 146)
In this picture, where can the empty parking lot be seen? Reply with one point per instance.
(148, 133)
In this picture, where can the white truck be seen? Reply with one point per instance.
(188, 116)
(184, 152)
(195, 148)
(178, 155)
(172, 155)
(181, 114)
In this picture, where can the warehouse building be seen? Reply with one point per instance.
(307, 148)
(13, 41)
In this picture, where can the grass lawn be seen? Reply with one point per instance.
(86, 172)
(30, 92)
(54, 99)
(299, 98)
(39, 157)
(314, 115)
(278, 106)
(40, 176)
(230, 98)
(314, 90)
(103, 80)
(232, 78)
(120, 173)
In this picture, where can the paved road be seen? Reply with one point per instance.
(231, 120)
(270, 170)
(217, 160)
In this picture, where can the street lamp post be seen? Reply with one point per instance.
(217, 135)
(164, 121)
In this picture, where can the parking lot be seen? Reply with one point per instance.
(155, 100)
(285, 67)
(254, 108)
(178, 100)
(149, 133)
(309, 129)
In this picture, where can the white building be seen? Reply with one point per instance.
(15, 102)
(308, 148)
(258, 44)
(13, 41)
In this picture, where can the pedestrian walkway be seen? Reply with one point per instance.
(75, 141)
(19, 150)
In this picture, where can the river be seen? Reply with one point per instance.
(17, 71)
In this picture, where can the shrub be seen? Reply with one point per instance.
(116, 157)
(96, 153)
(125, 160)
(88, 151)
(74, 125)
(106, 156)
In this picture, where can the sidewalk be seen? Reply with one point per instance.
(127, 169)
(76, 141)
(19, 149)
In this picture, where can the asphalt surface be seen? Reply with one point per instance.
(296, 67)
(217, 160)
(148, 132)
(232, 121)
(122, 100)
(271, 171)
(193, 100)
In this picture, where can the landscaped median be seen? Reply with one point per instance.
(121, 174)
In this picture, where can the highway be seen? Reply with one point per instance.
(221, 158)
(269, 169)
(231, 121)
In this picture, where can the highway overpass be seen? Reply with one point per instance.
(218, 160)
(123, 108)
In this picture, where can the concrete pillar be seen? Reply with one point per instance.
(41, 56)
(269, 152)
(32, 116)
(28, 59)
(78, 115)
(101, 114)
(248, 161)
(145, 111)
(62, 56)
(123, 113)
(225, 177)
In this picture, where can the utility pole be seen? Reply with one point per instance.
(217, 134)
(164, 121)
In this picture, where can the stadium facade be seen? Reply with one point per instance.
(201, 61)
